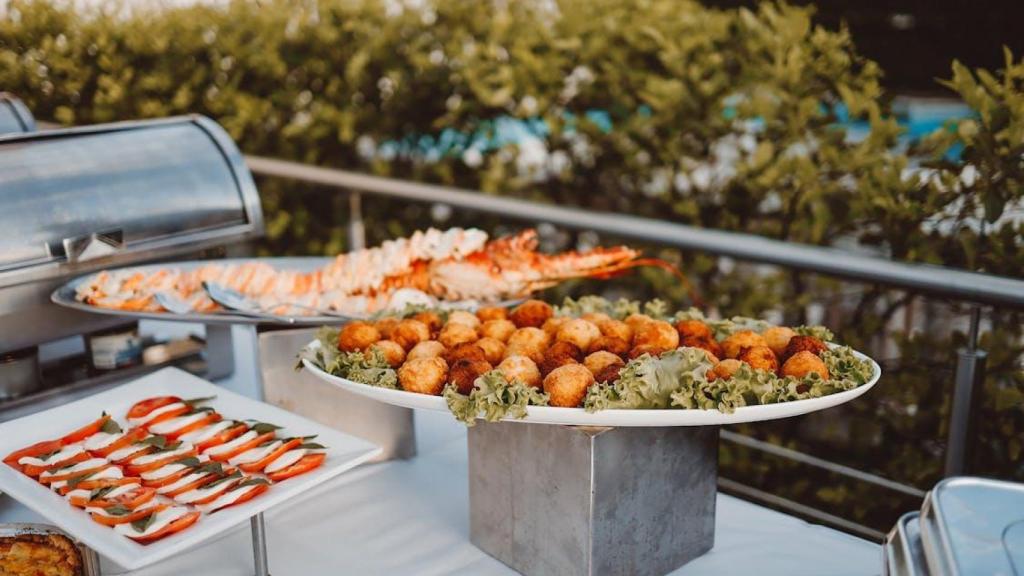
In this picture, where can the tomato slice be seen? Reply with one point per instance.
(174, 527)
(191, 485)
(33, 470)
(209, 419)
(130, 437)
(101, 483)
(223, 437)
(169, 479)
(262, 463)
(211, 498)
(143, 449)
(179, 411)
(130, 500)
(37, 449)
(143, 407)
(305, 464)
(256, 491)
(136, 469)
(129, 517)
(85, 431)
(70, 475)
(225, 456)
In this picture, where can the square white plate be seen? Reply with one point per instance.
(343, 453)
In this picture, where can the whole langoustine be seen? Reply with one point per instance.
(454, 265)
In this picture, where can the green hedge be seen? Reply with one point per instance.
(717, 118)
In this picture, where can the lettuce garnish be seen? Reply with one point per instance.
(493, 398)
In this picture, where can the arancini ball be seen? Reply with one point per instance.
(567, 385)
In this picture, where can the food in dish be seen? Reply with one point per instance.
(456, 265)
(173, 461)
(36, 554)
(578, 356)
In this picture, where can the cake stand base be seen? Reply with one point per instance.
(567, 500)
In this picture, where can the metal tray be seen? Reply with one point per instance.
(902, 549)
(974, 526)
(90, 560)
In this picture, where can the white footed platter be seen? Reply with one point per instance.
(622, 418)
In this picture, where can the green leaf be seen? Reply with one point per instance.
(100, 492)
(190, 461)
(264, 427)
(233, 475)
(111, 427)
(311, 446)
(142, 524)
(156, 441)
(251, 481)
(118, 510)
(76, 480)
(195, 401)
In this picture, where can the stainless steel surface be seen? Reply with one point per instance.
(259, 545)
(591, 501)
(389, 427)
(974, 526)
(90, 561)
(14, 115)
(81, 199)
(220, 352)
(238, 302)
(902, 550)
(934, 280)
(19, 374)
(356, 229)
(969, 384)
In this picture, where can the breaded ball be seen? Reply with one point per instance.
(612, 344)
(634, 320)
(638, 351)
(595, 317)
(609, 373)
(386, 326)
(463, 317)
(724, 369)
(598, 361)
(760, 358)
(427, 349)
(532, 313)
(803, 343)
(391, 350)
(357, 336)
(457, 333)
(494, 349)
(735, 343)
(616, 329)
(424, 375)
(778, 338)
(499, 329)
(707, 344)
(468, 350)
(803, 363)
(656, 333)
(520, 369)
(410, 332)
(560, 354)
(487, 313)
(579, 332)
(431, 319)
(551, 325)
(529, 342)
(694, 329)
(465, 371)
(567, 385)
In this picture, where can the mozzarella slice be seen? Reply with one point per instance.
(174, 424)
(203, 492)
(101, 440)
(226, 499)
(64, 454)
(182, 482)
(162, 519)
(207, 432)
(79, 467)
(154, 413)
(122, 453)
(256, 454)
(158, 456)
(233, 445)
(285, 460)
(103, 511)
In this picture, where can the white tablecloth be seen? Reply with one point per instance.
(412, 518)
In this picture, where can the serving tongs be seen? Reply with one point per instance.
(238, 303)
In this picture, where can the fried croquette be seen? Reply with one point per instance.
(609, 373)
(431, 319)
(409, 333)
(638, 351)
(529, 342)
(709, 345)
(612, 344)
(357, 336)
(656, 333)
(391, 350)
(463, 317)
(695, 329)
(386, 326)
(467, 350)
(595, 317)
(778, 338)
(600, 360)
(551, 325)
(803, 343)
(560, 354)
(579, 332)
(567, 385)
(465, 371)
(499, 329)
(724, 369)
(760, 358)
(457, 333)
(616, 329)
(488, 313)
(520, 369)
(424, 375)
(803, 363)
(427, 349)
(531, 314)
(636, 319)
(494, 349)
(736, 342)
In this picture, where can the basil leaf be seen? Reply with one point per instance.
(76, 480)
(311, 446)
(111, 427)
(200, 409)
(118, 510)
(47, 456)
(190, 461)
(211, 467)
(251, 481)
(264, 427)
(100, 492)
(233, 475)
(157, 440)
(168, 447)
(194, 401)
(142, 524)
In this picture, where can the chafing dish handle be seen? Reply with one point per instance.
(91, 246)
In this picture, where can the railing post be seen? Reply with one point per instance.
(356, 230)
(963, 417)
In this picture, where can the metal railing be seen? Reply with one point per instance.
(974, 288)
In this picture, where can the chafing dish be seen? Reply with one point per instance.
(14, 115)
(902, 551)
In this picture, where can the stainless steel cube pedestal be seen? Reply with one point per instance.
(567, 500)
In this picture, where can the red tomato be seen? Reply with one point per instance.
(35, 450)
(70, 475)
(143, 449)
(33, 470)
(261, 464)
(85, 431)
(130, 437)
(191, 485)
(209, 419)
(101, 483)
(136, 469)
(223, 457)
(176, 526)
(130, 500)
(179, 411)
(305, 464)
(257, 489)
(169, 479)
(223, 437)
(143, 407)
(129, 517)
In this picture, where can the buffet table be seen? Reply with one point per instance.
(411, 517)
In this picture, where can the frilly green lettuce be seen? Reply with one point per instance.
(366, 368)
(493, 398)
(648, 382)
(617, 309)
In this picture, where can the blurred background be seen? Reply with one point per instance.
(893, 129)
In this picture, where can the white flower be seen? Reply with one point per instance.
(701, 177)
(559, 162)
(472, 158)
(366, 147)
(969, 175)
